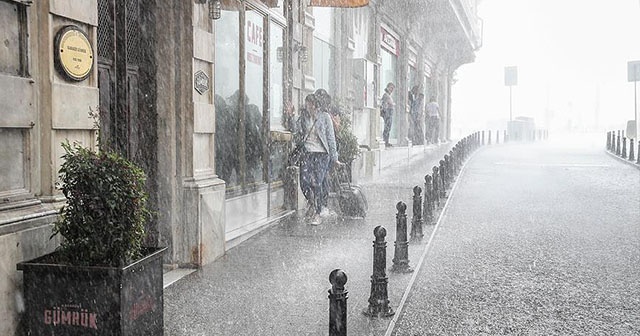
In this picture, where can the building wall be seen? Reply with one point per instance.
(40, 109)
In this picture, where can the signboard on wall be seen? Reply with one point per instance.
(73, 53)
(339, 3)
(389, 42)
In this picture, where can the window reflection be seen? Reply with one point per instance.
(254, 86)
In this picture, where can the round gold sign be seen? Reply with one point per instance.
(73, 53)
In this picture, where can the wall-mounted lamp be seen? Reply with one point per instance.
(303, 52)
(215, 8)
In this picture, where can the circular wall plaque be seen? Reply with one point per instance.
(73, 53)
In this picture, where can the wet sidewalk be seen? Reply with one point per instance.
(276, 282)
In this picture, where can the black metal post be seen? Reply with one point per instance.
(416, 221)
(638, 156)
(505, 136)
(608, 141)
(337, 303)
(401, 253)
(483, 138)
(436, 185)
(379, 298)
(631, 151)
(618, 144)
(489, 137)
(624, 147)
(443, 179)
(428, 200)
(497, 137)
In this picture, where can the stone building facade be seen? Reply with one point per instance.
(197, 102)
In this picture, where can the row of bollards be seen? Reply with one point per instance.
(617, 144)
(425, 207)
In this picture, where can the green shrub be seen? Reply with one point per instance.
(103, 220)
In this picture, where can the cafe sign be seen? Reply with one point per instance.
(73, 53)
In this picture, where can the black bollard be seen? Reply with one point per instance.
(401, 254)
(379, 298)
(428, 200)
(624, 148)
(436, 185)
(416, 221)
(608, 140)
(631, 151)
(505, 136)
(443, 179)
(497, 137)
(337, 304)
(489, 138)
(638, 156)
(618, 144)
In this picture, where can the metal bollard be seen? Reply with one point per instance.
(428, 200)
(624, 148)
(618, 144)
(497, 137)
(608, 141)
(337, 303)
(631, 151)
(505, 136)
(638, 156)
(489, 138)
(379, 298)
(483, 138)
(401, 253)
(436, 185)
(416, 220)
(443, 179)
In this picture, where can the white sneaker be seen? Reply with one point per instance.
(316, 220)
(326, 212)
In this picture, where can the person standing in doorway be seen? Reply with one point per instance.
(387, 109)
(416, 101)
(433, 121)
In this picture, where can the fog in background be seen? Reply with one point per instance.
(572, 65)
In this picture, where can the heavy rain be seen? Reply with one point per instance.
(319, 167)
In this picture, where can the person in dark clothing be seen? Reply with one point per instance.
(387, 109)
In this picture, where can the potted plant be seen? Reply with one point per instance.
(101, 280)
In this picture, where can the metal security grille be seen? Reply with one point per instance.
(106, 42)
(133, 32)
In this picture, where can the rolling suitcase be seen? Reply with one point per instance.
(353, 202)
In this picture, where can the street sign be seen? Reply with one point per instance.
(633, 71)
(510, 75)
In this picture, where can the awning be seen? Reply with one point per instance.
(339, 3)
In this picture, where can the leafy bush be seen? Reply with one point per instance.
(103, 220)
(348, 148)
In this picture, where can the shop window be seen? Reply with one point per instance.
(227, 88)
(13, 37)
(323, 65)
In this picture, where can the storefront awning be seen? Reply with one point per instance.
(339, 3)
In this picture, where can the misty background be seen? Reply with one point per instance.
(571, 57)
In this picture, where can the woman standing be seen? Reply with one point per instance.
(314, 130)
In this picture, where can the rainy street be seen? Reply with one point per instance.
(537, 239)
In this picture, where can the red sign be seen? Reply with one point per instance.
(389, 42)
(339, 3)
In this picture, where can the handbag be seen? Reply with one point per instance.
(299, 152)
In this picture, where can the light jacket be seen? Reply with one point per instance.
(323, 127)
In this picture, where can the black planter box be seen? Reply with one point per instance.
(85, 300)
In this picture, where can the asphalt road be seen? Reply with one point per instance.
(537, 239)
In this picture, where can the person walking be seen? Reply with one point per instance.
(314, 131)
(416, 101)
(433, 121)
(387, 109)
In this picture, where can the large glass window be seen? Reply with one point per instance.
(227, 94)
(13, 36)
(254, 87)
(277, 57)
(323, 65)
